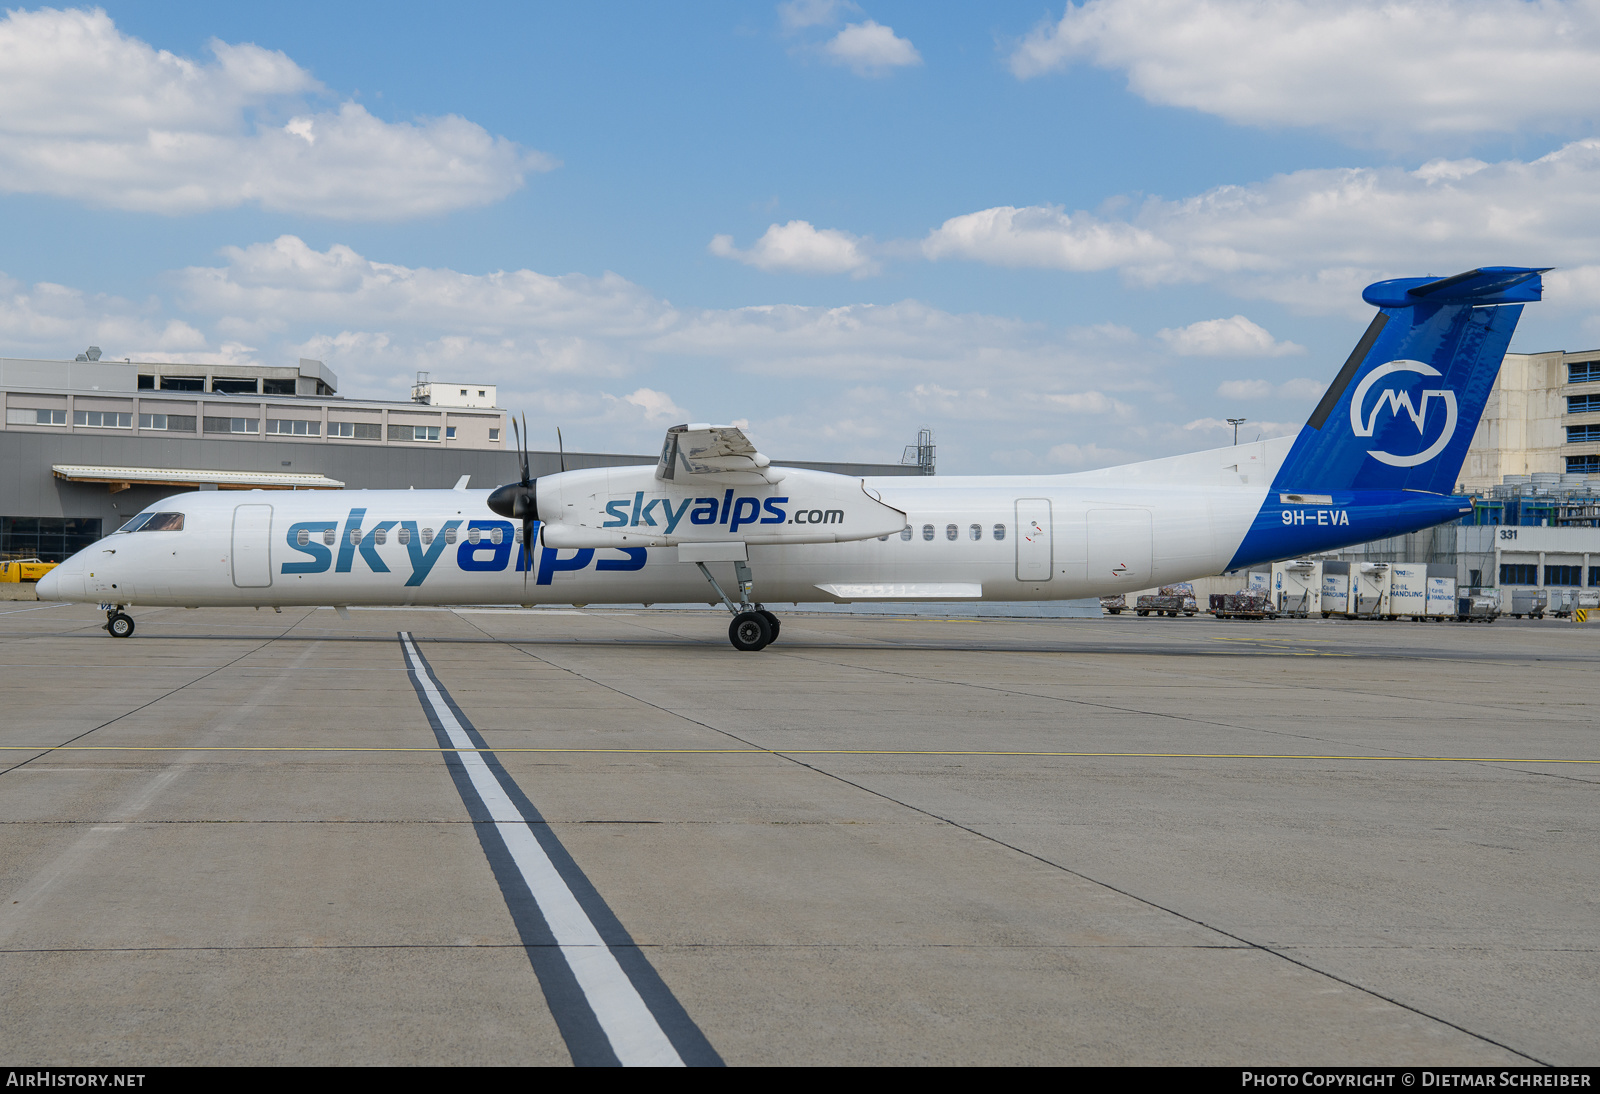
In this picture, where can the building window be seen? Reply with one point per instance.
(449, 432)
(483, 394)
(277, 387)
(1594, 576)
(1518, 573)
(183, 383)
(171, 423)
(236, 387)
(36, 417)
(147, 383)
(50, 539)
(413, 433)
(999, 531)
(1578, 434)
(361, 431)
(1563, 575)
(494, 434)
(1581, 372)
(1582, 404)
(1583, 465)
(294, 427)
(102, 419)
(232, 425)
(463, 391)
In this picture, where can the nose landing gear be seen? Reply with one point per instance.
(119, 624)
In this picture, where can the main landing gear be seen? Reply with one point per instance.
(753, 627)
(119, 624)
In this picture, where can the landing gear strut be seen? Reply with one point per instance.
(119, 624)
(753, 627)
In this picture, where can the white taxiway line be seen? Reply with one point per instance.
(636, 1037)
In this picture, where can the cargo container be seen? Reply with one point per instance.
(1408, 591)
(1335, 589)
(1532, 603)
(1369, 590)
(1478, 605)
(1441, 591)
(1259, 582)
(1297, 587)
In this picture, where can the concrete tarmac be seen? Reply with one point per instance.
(233, 838)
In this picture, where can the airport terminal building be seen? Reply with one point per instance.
(88, 443)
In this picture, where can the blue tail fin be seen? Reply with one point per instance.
(1403, 410)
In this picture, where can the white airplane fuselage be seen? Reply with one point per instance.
(1048, 537)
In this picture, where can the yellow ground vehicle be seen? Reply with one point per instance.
(13, 570)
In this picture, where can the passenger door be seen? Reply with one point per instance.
(1034, 561)
(252, 546)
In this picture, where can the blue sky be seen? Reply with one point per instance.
(1063, 237)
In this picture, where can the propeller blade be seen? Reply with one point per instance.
(524, 444)
(562, 448)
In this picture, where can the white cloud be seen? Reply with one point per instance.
(870, 49)
(1044, 236)
(97, 116)
(1312, 239)
(1300, 389)
(1390, 70)
(612, 363)
(797, 247)
(1235, 337)
(657, 405)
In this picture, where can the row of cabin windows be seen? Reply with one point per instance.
(953, 532)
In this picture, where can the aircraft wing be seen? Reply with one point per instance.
(708, 453)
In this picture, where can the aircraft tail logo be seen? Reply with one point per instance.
(1398, 402)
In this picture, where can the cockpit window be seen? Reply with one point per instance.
(136, 523)
(163, 522)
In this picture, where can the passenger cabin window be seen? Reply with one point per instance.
(905, 533)
(328, 536)
(476, 534)
(302, 537)
(951, 531)
(163, 522)
(404, 536)
(449, 535)
(427, 536)
(999, 531)
(380, 536)
(497, 536)
(927, 532)
(976, 531)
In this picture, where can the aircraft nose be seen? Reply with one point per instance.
(65, 582)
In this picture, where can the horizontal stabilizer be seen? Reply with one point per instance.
(1486, 285)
